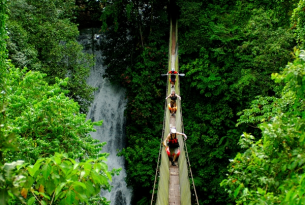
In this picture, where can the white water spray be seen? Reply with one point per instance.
(108, 105)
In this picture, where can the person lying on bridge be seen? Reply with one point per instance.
(172, 107)
(173, 96)
(172, 79)
(172, 146)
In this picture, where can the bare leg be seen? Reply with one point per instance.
(173, 112)
(175, 157)
(169, 108)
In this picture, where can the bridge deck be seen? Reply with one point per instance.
(174, 186)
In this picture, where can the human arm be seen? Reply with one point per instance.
(185, 137)
(165, 141)
(178, 97)
(167, 97)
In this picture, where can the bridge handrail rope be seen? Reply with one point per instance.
(160, 149)
(187, 155)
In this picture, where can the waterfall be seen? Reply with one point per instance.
(108, 105)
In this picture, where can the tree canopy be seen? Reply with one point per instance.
(244, 74)
(47, 155)
(41, 122)
(270, 170)
(228, 50)
(43, 37)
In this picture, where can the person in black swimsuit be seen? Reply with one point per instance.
(173, 96)
(173, 143)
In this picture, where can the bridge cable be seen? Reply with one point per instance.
(160, 150)
(185, 147)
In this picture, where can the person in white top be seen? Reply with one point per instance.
(171, 143)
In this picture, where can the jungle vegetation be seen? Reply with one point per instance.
(242, 97)
(47, 155)
(228, 50)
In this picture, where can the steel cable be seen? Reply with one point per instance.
(187, 155)
(160, 149)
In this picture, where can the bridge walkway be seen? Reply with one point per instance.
(173, 181)
(173, 184)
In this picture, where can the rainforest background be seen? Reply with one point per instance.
(228, 50)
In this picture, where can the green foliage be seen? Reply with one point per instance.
(141, 55)
(39, 120)
(145, 114)
(5, 139)
(262, 109)
(3, 51)
(228, 51)
(44, 120)
(61, 180)
(42, 37)
(298, 22)
(88, 12)
(10, 181)
(56, 180)
(271, 170)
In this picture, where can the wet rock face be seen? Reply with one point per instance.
(108, 105)
(120, 199)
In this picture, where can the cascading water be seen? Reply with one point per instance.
(108, 105)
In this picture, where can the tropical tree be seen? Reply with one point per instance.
(228, 51)
(44, 120)
(43, 37)
(37, 122)
(271, 169)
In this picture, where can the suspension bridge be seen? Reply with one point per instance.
(172, 185)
